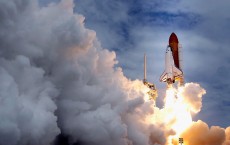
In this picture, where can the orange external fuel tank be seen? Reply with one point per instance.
(174, 45)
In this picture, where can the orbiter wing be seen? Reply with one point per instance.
(163, 77)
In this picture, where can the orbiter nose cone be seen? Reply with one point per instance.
(173, 38)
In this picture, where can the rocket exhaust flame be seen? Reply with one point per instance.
(180, 117)
(181, 110)
(176, 113)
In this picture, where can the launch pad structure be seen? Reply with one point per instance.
(152, 89)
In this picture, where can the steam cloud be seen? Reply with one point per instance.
(55, 78)
(199, 134)
(192, 94)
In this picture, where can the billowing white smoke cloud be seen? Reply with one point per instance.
(55, 77)
(227, 136)
(192, 94)
(50, 61)
(199, 134)
(26, 104)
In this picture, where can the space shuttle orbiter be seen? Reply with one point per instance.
(171, 72)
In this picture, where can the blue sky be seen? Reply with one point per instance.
(132, 28)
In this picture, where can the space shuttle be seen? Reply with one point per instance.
(171, 72)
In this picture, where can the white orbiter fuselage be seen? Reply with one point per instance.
(171, 72)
